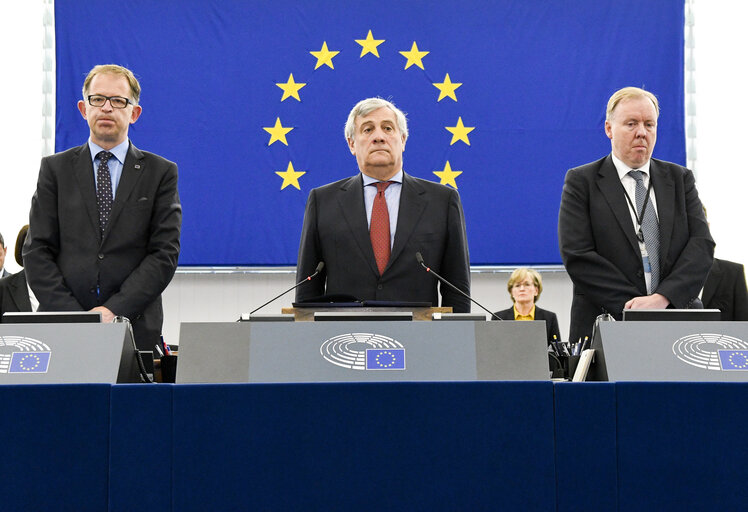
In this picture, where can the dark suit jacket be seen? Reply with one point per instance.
(14, 294)
(551, 321)
(725, 290)
(430, 221)
(67, 261)
(599, 246)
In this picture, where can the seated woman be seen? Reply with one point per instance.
(525, 286)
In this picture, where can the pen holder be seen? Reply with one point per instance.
(571, 366)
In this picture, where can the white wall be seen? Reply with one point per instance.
(21, 54)
(722, 122)
(721, 112)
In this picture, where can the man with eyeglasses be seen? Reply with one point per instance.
(105, 218)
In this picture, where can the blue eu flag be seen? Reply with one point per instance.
(733, 359)
(530, 85)
(29, 362)
(385, 359)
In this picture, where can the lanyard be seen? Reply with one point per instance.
(639, 218)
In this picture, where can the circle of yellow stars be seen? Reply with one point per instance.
(29, 362)
(381, 363)
(738, 360)
(369, 45)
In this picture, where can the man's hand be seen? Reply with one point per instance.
(106, 315)
(654, 301)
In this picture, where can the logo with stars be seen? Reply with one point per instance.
(733, 359)
(364, 351)
(385, 359)
(368, 47)
(712, 351)
(21, 354)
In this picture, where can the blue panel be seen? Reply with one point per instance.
(434, 446)
(54, 447)
(140, 448)
(535, 80)
(682, 446)
(585, 416)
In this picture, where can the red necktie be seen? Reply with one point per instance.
(379, 230)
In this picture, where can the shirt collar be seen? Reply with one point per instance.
(624, 169)
(531, 314)
(119, 151)
(397, 178)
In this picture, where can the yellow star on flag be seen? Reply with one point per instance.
(447, 88)
(369, 45)
(460, 132)
(447, 176)
(290, 177)
(277, 132)
(414, 56)
(324, 56)
(290, 88)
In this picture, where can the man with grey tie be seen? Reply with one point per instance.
(632, 231)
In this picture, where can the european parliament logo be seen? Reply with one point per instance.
(712, 351)
(21, 354)
(364, 351)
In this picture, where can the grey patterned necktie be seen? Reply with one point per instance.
(650, 228)
(103, 189)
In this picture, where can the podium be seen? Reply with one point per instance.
(66, 353)
(671, 351)
(361, 351)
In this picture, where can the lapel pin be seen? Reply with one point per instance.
(137, 166)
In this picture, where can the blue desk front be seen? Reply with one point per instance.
(376, 446)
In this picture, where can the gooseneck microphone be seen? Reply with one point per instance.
(317, 270)
(419, 258)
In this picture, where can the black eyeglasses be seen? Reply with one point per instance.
(97, 100)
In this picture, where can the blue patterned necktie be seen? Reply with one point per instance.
(650, 228)
(103, 189)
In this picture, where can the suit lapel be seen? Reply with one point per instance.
(712, 282)
(351, 203)
(664, 189)
(610, 185)
(20, 294)
(83, 169)
(409, 213)
(132, 169)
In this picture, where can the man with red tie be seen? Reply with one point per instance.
(369, 227)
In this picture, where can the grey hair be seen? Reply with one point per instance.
(369, 105)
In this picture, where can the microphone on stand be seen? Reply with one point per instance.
(317, 270)
(419, 258)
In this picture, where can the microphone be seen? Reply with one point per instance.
(419, 258)
(317, 270)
